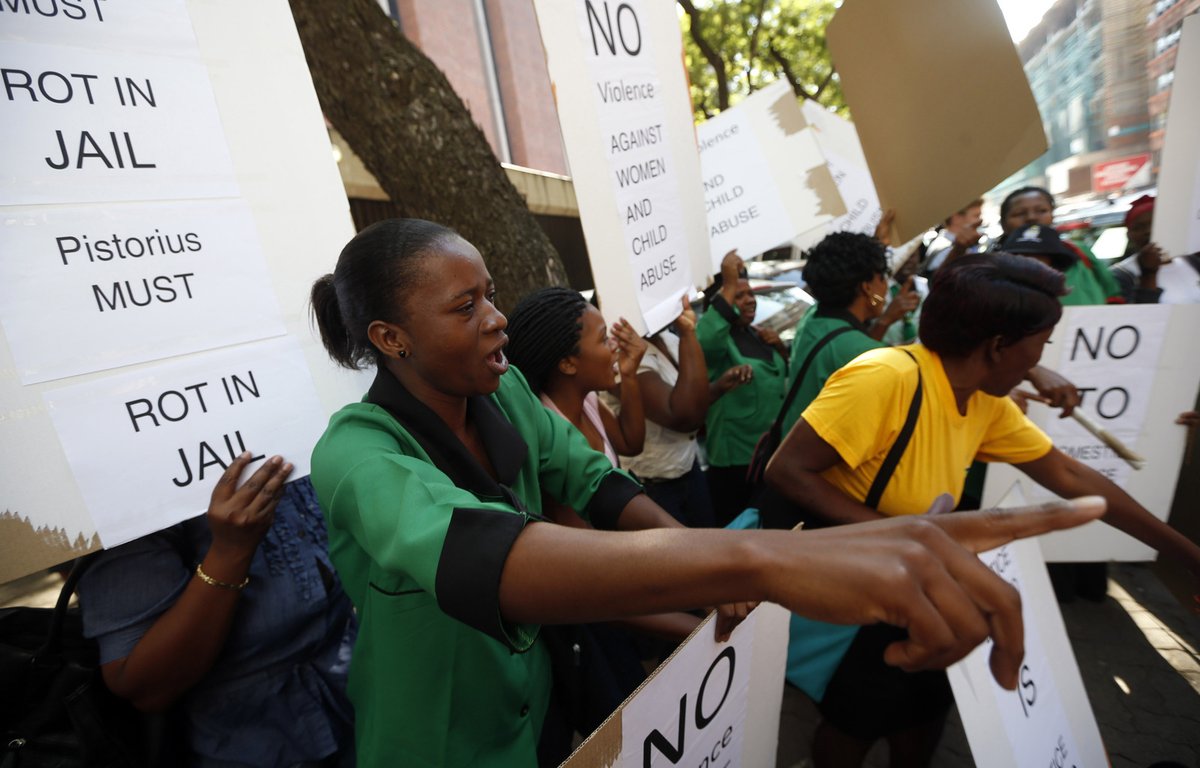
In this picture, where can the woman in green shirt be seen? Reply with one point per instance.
(432, 487)
(1090, 281)
(738, 415)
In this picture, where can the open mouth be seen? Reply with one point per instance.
(497, 362)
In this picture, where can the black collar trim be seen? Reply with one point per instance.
(840, 313)
(505, 447)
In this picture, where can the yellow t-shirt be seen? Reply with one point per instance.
(862, 409)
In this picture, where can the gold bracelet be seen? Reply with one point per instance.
(214, 583)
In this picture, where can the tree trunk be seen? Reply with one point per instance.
(401, 116)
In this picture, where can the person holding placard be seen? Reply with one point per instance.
(944, 402)
(235, 621)
(740, 415)
(1138, 272)
(562, 345)
(432, 488)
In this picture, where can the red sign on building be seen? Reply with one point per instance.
(1115, 175)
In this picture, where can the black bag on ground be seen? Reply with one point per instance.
(55, 711)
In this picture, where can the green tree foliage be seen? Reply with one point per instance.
(735, 47)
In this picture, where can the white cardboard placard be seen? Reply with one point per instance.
(1137, 371)
(625, 115)
(1047, 720)
(128, 283)
(839, 143)
(1176, 225)
(87, 125)
(765, 178)
(710, 704)
(147, 26)
(279, 146)
(146, 447)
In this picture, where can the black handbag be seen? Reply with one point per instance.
(55, 711)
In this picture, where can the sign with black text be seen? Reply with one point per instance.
(147, 248)
(88, 125)
(1136, 372)
(1047, 720)
(765, 178)
(710, 704)
(129, 283)
(625, 115)
(146, 447)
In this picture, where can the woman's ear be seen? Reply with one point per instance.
(567, 366)
(389, 339)
(995, 346)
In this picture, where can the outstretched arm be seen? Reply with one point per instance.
(1068, 477)
(918, 573)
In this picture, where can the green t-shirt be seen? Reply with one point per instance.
(1090, 285)
(814, 326)
(739, 417)
(419, 533)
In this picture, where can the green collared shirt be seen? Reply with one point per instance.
(739, 417)
(419, 533)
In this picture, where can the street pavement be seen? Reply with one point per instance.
(1139, 655)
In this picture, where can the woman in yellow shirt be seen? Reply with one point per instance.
(983, 327)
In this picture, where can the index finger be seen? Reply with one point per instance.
(991, 528)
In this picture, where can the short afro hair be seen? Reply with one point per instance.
(837, 265)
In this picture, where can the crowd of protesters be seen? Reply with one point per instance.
(554, 468)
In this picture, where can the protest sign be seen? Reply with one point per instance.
(931, 144)
(1176, 226)
(1135, 371)
(626, 121)
(710, 704)
(839, 143)
(128, 283)
(147, 446)
(284, 172)
(765, 179)
(91, 125)
(1047, 720)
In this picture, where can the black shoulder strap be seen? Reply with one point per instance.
(897, 450)
(812, 354)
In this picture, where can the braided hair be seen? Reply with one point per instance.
(544, 328)
(837, 265)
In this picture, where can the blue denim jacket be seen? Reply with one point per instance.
(276, 695)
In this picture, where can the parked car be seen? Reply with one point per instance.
(1099, 226)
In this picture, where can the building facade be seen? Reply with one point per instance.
(1086, 64)
(1163, 29)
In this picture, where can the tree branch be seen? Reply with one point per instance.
(400, 114)
(753, 44)
(710, 54)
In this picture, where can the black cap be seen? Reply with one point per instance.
(1037, 240)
